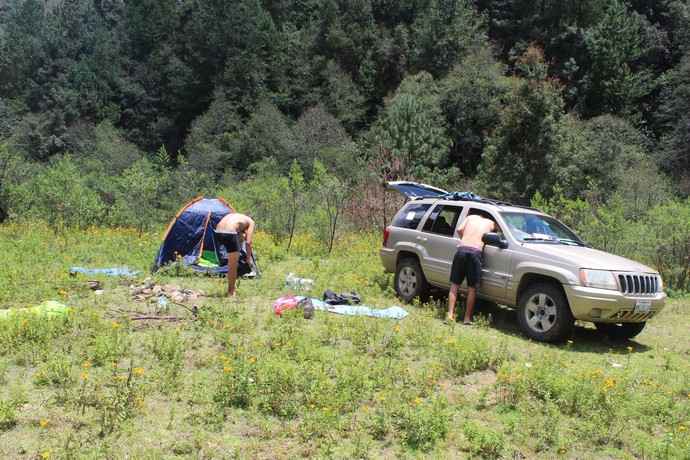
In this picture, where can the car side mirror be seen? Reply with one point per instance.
(493, 239)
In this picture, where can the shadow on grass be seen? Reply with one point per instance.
(505, 321)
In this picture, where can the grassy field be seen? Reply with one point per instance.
(116, 376)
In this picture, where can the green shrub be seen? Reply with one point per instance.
(424, 422)
(64, 198)
(169, 347)
(117, 399)
(665, 243)
(483, 442)
(460, 357)
(277, 385)
(23, 328)
(56, 371)
(16, 398)
(235, 379)
(376, 339)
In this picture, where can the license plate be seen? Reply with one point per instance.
(642, 306)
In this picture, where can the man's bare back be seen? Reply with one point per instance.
(473, 228)
(237, 222)
(240, 223)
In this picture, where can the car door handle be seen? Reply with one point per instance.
(421, 239)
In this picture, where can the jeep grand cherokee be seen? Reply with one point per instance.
(535, 264)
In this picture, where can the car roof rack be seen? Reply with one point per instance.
(470, 196)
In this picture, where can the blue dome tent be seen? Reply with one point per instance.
(189, 238)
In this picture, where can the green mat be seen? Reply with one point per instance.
(208, 259)
(47, 308)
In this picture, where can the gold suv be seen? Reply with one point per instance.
(534, 264)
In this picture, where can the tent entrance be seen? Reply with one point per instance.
(208, 258)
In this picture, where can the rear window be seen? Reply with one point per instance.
(411, 215)
(443, 220)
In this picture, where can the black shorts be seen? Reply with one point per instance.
(229, 241)
(467, 263)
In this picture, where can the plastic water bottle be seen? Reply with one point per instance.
(304, 283)
(298, 283)
(162, 303)
(290, 280)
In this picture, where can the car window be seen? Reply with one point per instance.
(540, 228)
(443, 220)
(411, 215)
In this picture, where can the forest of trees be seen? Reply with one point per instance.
(117, 112)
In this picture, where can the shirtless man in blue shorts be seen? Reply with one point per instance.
(227, 232)
(468, 261)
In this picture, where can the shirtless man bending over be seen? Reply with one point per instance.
(468, 261)
(227, 232)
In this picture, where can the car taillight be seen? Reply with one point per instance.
(386, 232)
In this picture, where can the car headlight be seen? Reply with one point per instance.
(602, 279)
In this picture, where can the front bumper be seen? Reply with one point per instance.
(607, 306)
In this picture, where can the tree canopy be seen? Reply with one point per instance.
(508, 97)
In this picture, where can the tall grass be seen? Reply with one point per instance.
(237, 381)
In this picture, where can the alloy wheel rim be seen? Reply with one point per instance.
(541, 312)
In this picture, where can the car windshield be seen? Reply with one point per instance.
(539, 228)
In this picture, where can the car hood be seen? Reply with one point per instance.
(586, 257)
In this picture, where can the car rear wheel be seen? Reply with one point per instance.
(620, 331)
(544, 313)
(409, 281)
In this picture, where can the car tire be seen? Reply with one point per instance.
(409, 281)
(544, 314)
(620, 331)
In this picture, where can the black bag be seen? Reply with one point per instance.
(344, 298)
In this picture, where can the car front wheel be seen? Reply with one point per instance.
(410, 281)
(620, 331)
(544, 313)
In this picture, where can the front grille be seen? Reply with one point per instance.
(639, 284)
